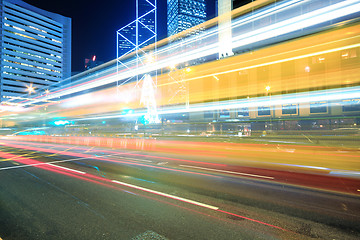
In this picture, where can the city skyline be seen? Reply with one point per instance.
(87, 17)
(244, 127)
(184, 14)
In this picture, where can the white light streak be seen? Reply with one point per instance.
(322, 15)
(231, 172)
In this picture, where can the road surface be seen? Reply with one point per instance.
(57, 191)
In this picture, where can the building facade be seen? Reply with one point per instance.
(234, 4)
(225, 32)
(35, 49)
(140, 32)
(184, 14)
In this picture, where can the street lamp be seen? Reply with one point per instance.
(172, 66)
(150, 58)
(30, 89)
(267, 88)
(47, 91)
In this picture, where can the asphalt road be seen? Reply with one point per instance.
(94, 193)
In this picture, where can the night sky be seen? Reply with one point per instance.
(94, 24)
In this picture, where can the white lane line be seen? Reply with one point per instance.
(58, 161)
(69, 169)
(224, 171)
(89, 149)
(167, 195)
(136, 159)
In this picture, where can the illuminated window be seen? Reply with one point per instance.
(318, 59)
(289, 109)
(351, 105)
(243, 112)
(224, 113)
(349, 53)
(20, 29)
(263, 111)
(318, 107)
(208, 114)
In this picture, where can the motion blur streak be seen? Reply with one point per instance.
(274, 163)
(95, 179)
(250, 219)
(238, 173)
(80, 141)
(88, 156)
(316, 158)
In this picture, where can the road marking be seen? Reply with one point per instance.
(58, 153)
(162, 163)
(69, 169)
(58, 161)
(89, 149)
(12, 158)
(224, 171)
(167, 195)
(136, 159)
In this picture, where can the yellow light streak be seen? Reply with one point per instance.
(266, 64)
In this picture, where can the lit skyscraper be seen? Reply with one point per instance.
(136, 35)
(140, 32)
(224, 11)
(184, 14)
(35, 49)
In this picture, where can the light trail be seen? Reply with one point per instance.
(115, 153)
(272, 62)
(231, 172)
(88, 157)
(328, 13)
(105, 182)
(315, 96)
(253, 220)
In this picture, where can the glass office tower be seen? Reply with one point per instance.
(184, 14)
(35, 49)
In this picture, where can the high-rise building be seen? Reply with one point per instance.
(140, 32)
(35, 49)
(225, 33)
(184, 14)
(239, 3)
(234, 4)
(223, 10)
(135, 36)
(92, 62)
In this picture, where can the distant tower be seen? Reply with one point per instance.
(92, 62)
(224, 8)
(148, 99)
(184, 14)
(132, 38)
